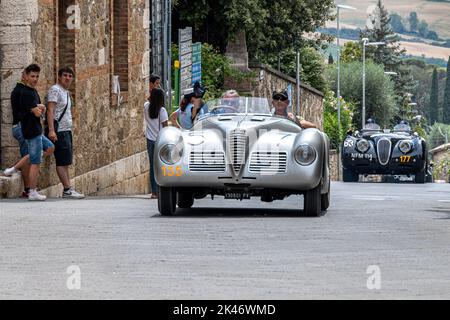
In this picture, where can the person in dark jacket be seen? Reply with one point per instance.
(30, 111)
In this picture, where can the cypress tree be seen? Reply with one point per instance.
(446, 104)
(330, 59)
(390, 55)
(434, 99)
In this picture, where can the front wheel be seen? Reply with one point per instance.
(420, 177)
(349, 176)
(312, 202)
(325, 199)
(167, 201)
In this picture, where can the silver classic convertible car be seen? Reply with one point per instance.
(239, 150)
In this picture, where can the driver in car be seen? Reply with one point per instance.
(229, 101)
(280, 102)
(371, 124)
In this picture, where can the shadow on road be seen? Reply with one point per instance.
(236, 213)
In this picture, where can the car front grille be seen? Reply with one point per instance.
(236, 149)
(384, 151)
(268, 162)
(207, 161)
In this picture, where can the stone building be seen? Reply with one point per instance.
(107, 44)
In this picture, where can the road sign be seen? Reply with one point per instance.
(196, 62)
(196, 68)
(186, 60)
(185, 34)
(185, 57)
(196, 77)
(185, 73)
(185, 48)
(197, 47)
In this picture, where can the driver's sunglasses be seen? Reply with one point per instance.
(280, 99)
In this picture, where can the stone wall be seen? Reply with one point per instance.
(311, 100)
(262, 80)
(439, 153)
(16, 51)
(440, 156)
(105, 131)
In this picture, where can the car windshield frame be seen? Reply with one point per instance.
(235, 106)
(402, 128)
(371, 127)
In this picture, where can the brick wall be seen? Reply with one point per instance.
(104, 132)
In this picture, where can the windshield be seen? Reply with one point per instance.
(238, 105)
(371, 126)
(402, 127)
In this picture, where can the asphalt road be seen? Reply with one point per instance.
(377, 241)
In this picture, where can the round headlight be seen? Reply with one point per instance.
(362, 145)
(171, 153)
(405, 146)
(305, 155)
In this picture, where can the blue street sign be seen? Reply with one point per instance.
(196, 68)
(196, 77)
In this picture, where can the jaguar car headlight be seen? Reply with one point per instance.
(305, 155)
(171, 153)
(362, 145)
(405, 146)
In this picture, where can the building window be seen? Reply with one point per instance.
(120, 42)
(66, 33)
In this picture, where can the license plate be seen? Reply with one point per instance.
(237, 195)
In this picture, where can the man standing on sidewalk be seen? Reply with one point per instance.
(59, 119)
(30, 112)
(17, 134)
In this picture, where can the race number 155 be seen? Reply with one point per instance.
(171, 171)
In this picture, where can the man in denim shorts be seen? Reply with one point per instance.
(17, 134)
(30, 112)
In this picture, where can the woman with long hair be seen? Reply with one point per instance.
(156, 118)
(181, 118)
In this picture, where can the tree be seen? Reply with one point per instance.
(380, 101)
(422, 27)
(217, 21)
(439, 134)
(413, 21)
(397, 23)
(330, 59)
(446, 104)
(312, 66)
(352, 52)
(390, 56)
(330, 118)
(432, 35)
(434, 98)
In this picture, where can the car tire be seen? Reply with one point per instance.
(420, 177)
(325, 199)
(312, 202)
(166, 201)
(185, 200)
(350, 176)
